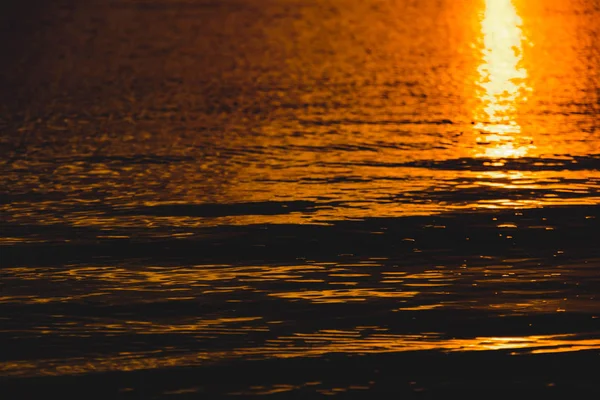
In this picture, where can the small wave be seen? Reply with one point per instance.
(375, 122)
(136, 159)
(133, 159)
(225, 210)
(574, 163)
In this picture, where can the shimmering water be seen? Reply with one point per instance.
(208, 183)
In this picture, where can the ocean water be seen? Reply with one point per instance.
(309, 197)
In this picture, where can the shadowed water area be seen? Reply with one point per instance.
(205, 199)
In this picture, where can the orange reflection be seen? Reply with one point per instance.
(315, 344)
(501, 85)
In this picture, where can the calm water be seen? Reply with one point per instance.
(213, 183)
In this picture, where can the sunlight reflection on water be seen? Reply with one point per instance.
(502, 81)
(252, 191)
(390, 116)
(303, 345)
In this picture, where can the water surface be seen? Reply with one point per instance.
(236, 185)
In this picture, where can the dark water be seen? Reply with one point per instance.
(300, 198)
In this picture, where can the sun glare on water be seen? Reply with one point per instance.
(501, 84)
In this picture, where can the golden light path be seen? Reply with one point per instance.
(302, 345)
(501, 85)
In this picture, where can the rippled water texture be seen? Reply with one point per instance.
(237, 183)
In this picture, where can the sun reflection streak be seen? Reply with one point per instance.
(501, 85)
(315, 344)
